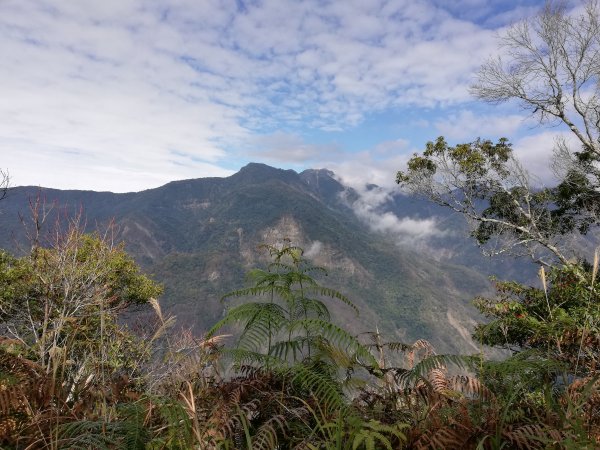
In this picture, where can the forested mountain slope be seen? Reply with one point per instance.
(200, 236)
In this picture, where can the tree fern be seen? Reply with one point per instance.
(291, 312)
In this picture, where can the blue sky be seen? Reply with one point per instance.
(125, 95)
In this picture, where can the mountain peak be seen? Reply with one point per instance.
(258, 172)
(317, 173)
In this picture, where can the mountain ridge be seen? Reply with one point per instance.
(200, 236)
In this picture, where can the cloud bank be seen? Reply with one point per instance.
(129, 94)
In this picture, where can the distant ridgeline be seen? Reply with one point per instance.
(199, 237)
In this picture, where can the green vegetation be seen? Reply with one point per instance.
(73, 375)
(293, 379)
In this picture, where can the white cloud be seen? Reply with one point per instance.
(409, 231)
(535, 153)
(166, 90)
(467, 125)
(313, 249)
(367, 167)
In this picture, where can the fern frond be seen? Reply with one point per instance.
(305, 307)
(294, 347)
(266, 321)
(134, 433)
(338, 337)
(257, 291)
(447, 437)
(331, 293)
(251, 313)
(11, 399)
(533, 436)
(398, 346)
(320, 385)
(243, 357)
(438, 381)
(469, 386)
(265, 437)
(86, 434)
(374, 431)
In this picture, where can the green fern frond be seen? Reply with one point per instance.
(320, 384)
(305, 307)
(331, 293)
(254, 313)
(135, 434)
(86, 434)
(257, 291)
(291, 347)
(338, 337)
(243, 357)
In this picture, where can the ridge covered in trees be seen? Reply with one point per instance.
(276, 372)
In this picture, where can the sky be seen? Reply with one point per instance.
(126, 95)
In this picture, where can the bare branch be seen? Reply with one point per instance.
(4, 183)
(551, 66)
(483, 182)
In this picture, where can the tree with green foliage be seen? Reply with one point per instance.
(484, 182)
(551, 68)
(59, 305)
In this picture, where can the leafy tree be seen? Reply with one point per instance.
(483, 181)
(60, 305)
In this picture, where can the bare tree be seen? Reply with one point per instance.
(4, 183)
(552, 67)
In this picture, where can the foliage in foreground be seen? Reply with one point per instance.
(72, 376)
(331, 390)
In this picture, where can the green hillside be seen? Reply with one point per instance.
(198, 237)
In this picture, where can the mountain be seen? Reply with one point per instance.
(200, 236)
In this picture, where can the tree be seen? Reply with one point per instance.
(4, 183)
(552, 67)
(60, 305)
(485, 183)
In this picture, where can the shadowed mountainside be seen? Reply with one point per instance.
(200, 236)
